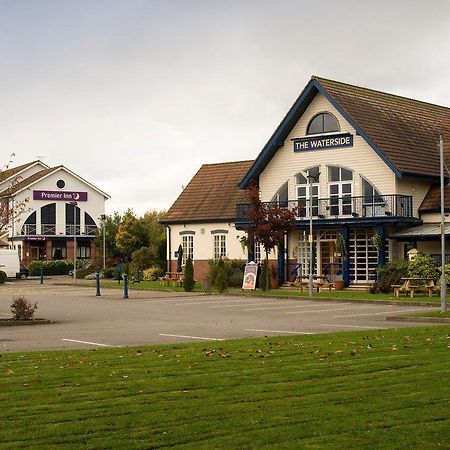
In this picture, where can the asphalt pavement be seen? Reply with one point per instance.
(82, 320)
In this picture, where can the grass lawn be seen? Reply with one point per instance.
(354, 295)
(143, 285)
(439, 314)
(374, 389)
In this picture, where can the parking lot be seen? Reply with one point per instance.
(83, 320)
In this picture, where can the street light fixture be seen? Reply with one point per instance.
(74, 204)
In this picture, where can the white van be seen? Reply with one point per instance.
(9, 263)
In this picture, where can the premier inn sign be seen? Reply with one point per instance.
(60, 196)
(323, 142)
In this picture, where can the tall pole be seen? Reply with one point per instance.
(311, 262)
(103, 217)
(443, 280)
(74, 204)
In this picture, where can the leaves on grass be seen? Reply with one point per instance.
(8, 372)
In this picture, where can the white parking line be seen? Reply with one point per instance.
(89, 343)
(192, 337)
(278, 331)
(254, 304)
(348, 326)
(381, 313)
(279, 307)
(318, 311)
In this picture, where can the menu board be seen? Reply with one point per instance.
(250, 274)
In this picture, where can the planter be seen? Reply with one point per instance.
(18, 323)
(339, 285)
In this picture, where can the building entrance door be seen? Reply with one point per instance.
(37, 252)
(330, 260)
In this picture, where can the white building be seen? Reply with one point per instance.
(368, 159)
(54, 205)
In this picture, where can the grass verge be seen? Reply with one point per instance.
(371, 389)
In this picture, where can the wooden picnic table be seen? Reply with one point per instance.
(174, 278)
(321, 282)
(411, 285)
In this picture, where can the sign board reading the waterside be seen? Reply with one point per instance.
(61, 196)
(323, 142)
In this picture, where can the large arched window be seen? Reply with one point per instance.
(340, 182)
(304, 186)
(373, 203)
(48, 219)
(72, 219)
(29, 226)
(281, 197)
(89, 224)
(323, 123)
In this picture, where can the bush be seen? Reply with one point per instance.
(189, 281)
(221, 277)
(390, 273)
(233, 268)
(22, 309)
(152, 273)
(85, 271)
(424, 266)
(109, 272)
(263, 276)
(2, 276)
(54, 267)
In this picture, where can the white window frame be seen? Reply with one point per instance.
(187, 243)
(340, 204)
(220, 245)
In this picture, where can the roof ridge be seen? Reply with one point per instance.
(315, 77)
(228, 162)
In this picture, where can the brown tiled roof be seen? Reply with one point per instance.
(405, 130)
(432, 201)
(7, 173)
(27, 181)
(212, 194)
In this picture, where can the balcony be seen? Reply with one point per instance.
(345, 208)
(50, 230)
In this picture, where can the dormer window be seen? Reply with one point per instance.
(323, 123)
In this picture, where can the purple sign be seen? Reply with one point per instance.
(61, 196)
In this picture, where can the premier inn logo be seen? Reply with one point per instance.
(323, 142)
(60, 196)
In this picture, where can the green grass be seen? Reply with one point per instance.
(374, 389)
(143, 285)
(354, 295)
(439, 314)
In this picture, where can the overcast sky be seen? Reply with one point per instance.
(134, 95)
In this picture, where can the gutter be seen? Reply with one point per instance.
(169, 256)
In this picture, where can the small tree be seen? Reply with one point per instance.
(268, 223)
(189, 281)
(22, 309)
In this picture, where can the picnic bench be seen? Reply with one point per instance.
(320, 282)
(413, 285)
(172, 279)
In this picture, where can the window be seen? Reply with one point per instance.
(48, 219)
(29, 227)
(83, 250)
(89, 225)
(59, 250)
(257, 253)
(303, 192)
(220, 246)
(340, 190)
(281, 197)
(323, 123)
(71, 229)
(373, 203)
(188, 247)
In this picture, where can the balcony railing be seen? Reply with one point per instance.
(342, 207)
(50, 230)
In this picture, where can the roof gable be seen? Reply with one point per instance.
(403, 132)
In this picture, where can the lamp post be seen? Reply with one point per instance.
(103, 219)
(311, 262)
(443, 280)
(74, 204)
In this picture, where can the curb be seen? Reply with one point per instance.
(419, 319)
(18, 323)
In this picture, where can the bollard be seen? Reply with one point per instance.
(125, 285)
(42, 275)
(97, 284)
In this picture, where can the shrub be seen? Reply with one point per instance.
(54, 267)
(2, 276)
(390, 273)
(22, 309)
(85, 271)
(221, 277)
(263, 276)
(424, 266)
(189, 281)
(233, 268)
(109, 272)
(152, 273)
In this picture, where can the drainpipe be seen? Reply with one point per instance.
(169, 243)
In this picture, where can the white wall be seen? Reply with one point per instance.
(204, 240)
(361, 158)
(417, 188)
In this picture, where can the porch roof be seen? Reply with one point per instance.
(432, 230)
